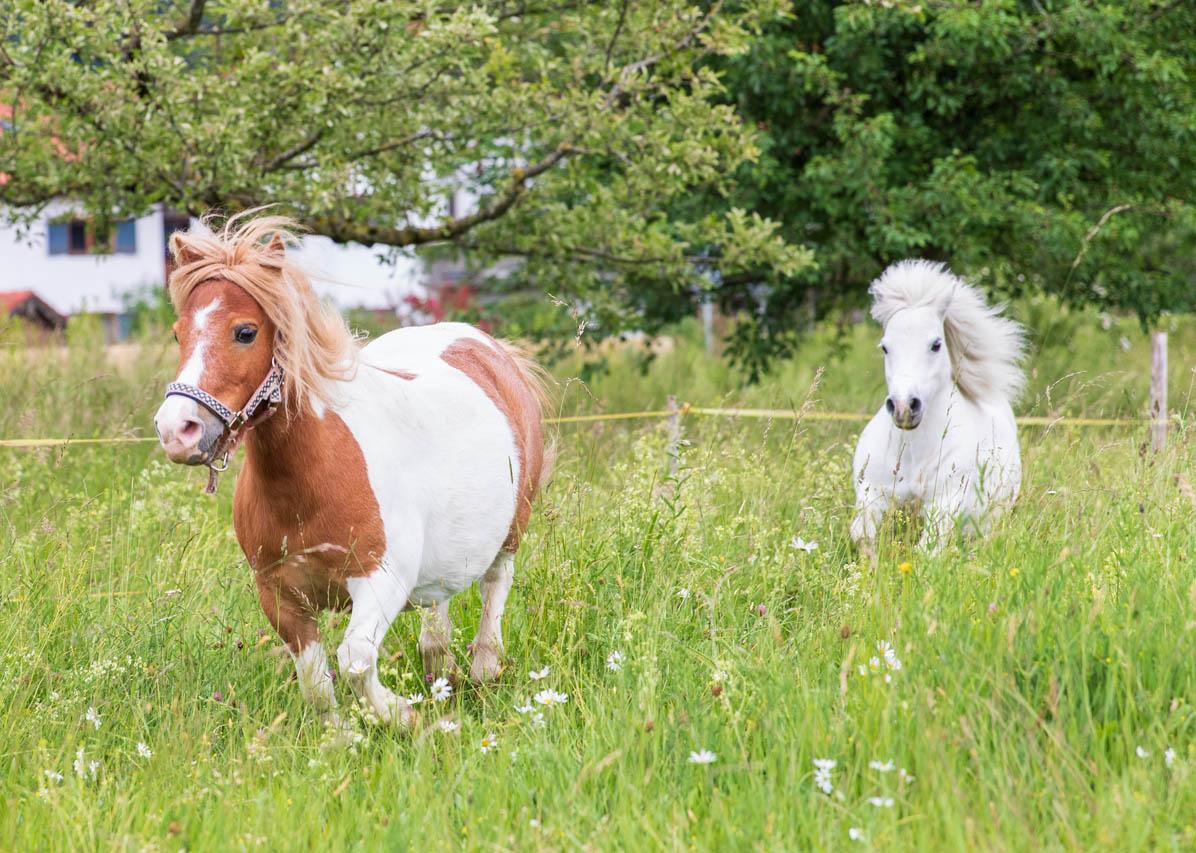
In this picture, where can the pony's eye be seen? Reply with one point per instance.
(245, 334)
(936, 346)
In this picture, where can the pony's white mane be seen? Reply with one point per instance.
(986, 348)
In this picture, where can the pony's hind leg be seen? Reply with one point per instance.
(871, 506)
(487, 645)
(435, 632)
(377, 600)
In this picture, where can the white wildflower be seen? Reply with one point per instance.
(614, 661)
(904, 776)
(1169, 756)
(551, 698)
(54, 775)
(525, 708)
(1141, 753)
(882, 766)
(441, 689)
(143, 750)
(538, 720)
(881, 802)
(702, 756)
(855, 833)
(683, 593)
(489, 742)
(822, 774)
(92, 716)
(799, 544)
(416, 698)
(539, 675)
(448, 726)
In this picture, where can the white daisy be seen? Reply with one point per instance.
(683, 593)
(799, 544)
(702, 756)
(1141, 753)
(614, 661)
(822, 774)
(448, 726)
(1169, 756)
(92, 716)
(538, 720)
(54, 775)
(525, 708)
(416, 698)
(143, 750)
(489, 742)
(855, 833)
(882, 766)
(551, 698)
(539, 675)
(441, 689)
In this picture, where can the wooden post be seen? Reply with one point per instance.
(674, 427)
(1158, 390)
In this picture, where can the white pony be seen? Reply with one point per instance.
(945, 439)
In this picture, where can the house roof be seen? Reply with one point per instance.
(27, 304)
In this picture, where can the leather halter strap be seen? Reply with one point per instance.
(262, 404)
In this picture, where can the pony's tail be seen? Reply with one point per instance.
(540, 382)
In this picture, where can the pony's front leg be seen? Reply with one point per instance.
(377, 599)
(871, 506)
(295, 623)
(487, 645)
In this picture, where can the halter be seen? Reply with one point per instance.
(261, 405)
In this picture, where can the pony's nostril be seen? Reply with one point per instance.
(915, 405)
(890, 407)
(191, 431)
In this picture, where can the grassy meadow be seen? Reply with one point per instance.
(1044, 697)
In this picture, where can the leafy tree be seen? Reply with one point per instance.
(576, 125)
(1045, 144)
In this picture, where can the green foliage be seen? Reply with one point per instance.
(1032, 145)
(576, 126)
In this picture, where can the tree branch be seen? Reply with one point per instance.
(344, 232)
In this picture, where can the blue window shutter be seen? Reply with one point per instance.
(58, 238)
(126, 236)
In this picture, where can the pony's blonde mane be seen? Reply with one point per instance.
(986, 348)
(312, 345)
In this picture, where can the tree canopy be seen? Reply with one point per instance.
(775, 156)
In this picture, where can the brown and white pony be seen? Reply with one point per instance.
(392, 476)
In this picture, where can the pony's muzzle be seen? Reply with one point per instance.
(187, 433)
(906, 414)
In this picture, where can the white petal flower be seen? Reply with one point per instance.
(538, 720)
(1141, 753)
(79, 763)
(1169, 756)
(538, 675)
(825, 763)
(415, 698)
(904, 776)
(882, 766)
(614, 661)
(855, 833)
(525, 708)
(54, 775)
(143, 750)
(799, 544)
(489, 742)
(441, 689)
(683, 593)
(702, 756)
(551, 698)
(881, 802)
(448, 726)
(92, 716)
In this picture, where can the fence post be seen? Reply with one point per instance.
(1158, 390)
(674, 426)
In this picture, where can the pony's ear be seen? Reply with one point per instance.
(276, 249)
(943, 303)
(181, 250)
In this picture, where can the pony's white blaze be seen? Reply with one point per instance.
(200, 317)
(945, 439)
(177, 418)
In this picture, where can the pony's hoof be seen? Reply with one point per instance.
(485, 666)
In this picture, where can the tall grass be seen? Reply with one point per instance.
(1036, 665)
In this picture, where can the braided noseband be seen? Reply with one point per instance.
(261, 405)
